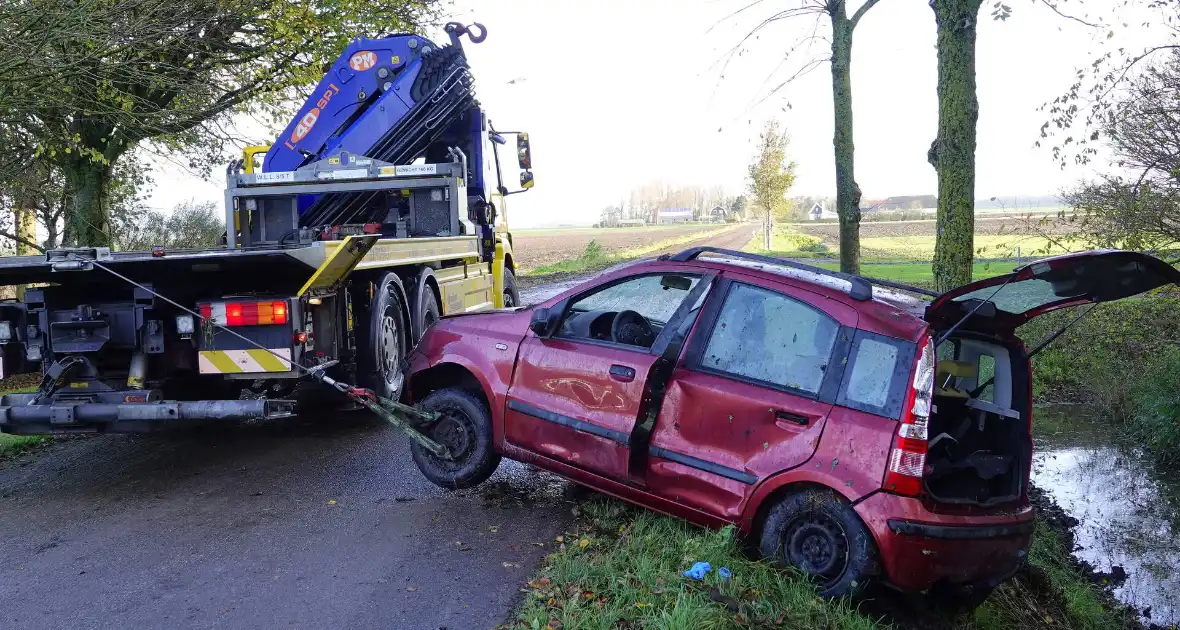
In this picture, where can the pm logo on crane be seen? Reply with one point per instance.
(309, 119)
(363, 60)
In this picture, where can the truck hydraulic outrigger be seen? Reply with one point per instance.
(404, 417)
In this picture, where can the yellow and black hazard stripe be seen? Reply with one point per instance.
(244, 361)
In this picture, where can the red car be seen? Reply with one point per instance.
(854, 431)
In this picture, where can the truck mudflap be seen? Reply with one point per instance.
(20, 414)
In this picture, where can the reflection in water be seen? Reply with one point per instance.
(1129, 515)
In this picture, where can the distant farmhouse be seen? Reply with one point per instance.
(819, 210)
(669, 216)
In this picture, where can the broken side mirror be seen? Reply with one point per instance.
(540, 322)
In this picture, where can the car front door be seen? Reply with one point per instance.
(575, 395)
(751, 396)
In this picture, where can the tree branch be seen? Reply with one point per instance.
(864, 8)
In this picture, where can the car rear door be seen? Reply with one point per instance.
(575, 396)
(752, 394)
(1004, 303)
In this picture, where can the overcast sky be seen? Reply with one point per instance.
(616, 93)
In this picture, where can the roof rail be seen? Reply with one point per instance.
(861, 287)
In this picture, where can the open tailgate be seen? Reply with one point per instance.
(1047, 285)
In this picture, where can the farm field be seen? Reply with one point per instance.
(540, 248)
(995, 237)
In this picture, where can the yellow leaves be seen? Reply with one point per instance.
(560, 539)
(642, 604)
(331, 501)
(583, 543)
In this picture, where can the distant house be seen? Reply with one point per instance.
(820, 211)
(674, 215)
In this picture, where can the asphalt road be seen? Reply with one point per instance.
(315, 523)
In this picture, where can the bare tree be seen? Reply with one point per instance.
(842, 27)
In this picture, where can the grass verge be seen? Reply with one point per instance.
(620, 567)
(13, 444)
(596, 257)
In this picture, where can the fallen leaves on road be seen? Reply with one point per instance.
(331, 501)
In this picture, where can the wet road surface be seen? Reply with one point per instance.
(235, 527)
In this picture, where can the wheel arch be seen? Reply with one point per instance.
(424, 281)
(449, 374)
(774, 488)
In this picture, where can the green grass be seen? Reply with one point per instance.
(622, 569)
(595, 256)
(921, 247)
(12, 444)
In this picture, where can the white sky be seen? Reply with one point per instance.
(616, 93)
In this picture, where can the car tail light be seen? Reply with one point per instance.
(246, 313)
(907, 460)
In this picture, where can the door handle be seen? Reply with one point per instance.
(622, 373)
(793, 418)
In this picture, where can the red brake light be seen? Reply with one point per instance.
(907, 460)
(246, 313)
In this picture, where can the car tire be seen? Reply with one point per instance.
(387, 341)
(819, 534)
(428, 310)
(464, 427)
(511, 293)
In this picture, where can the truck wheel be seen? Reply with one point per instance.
(820, 535)
(428, 311)
(388, 339)
(511, 294)
(465, 428)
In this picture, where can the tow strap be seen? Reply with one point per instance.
(401, 416)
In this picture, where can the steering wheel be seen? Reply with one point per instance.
(632, 329)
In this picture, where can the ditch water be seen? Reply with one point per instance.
(1128, 510)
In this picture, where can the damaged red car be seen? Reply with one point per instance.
(854, 428)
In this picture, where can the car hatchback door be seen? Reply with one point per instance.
(575, 396)
(752, 395)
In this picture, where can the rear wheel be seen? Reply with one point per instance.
(464, 426)
(388, 340)
(819, 534)
(511, 293)
(428, 311)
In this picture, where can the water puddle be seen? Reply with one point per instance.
(1129, 511)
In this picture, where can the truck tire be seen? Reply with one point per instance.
(819, 534)
(428, 311)
(511, 293)
(387, 339)
(464, 427)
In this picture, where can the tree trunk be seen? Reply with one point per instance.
(953, 152)
(88, 221)
(767, 234)
(847, 192)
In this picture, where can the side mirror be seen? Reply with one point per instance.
(526, 179)
(540, 322)
(524, 156)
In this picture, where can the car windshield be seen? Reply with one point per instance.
(1025, 295)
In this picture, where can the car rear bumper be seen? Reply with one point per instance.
(920, 549)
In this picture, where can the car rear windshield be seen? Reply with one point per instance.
(877, 374)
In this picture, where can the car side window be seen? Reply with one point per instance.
(632, 312)
(771, 338)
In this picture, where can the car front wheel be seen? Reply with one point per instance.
(464, 426)
(819, 534)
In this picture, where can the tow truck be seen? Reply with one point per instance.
(380, 208)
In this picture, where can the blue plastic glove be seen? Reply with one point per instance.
(698, 571)
(724, 573)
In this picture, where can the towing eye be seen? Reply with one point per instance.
(401, 416)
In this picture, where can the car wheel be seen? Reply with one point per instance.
(511, 294)
(819, 534)
(464, 426)
(388, 338)
(428, 310)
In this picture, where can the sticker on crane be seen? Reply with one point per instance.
(363, 60)
(309, 119)
(409, 169)
(244, 361)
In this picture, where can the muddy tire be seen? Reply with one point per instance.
(819, 534)
(511, 293)
(428, 311)
(387, 341)
(464, 427)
